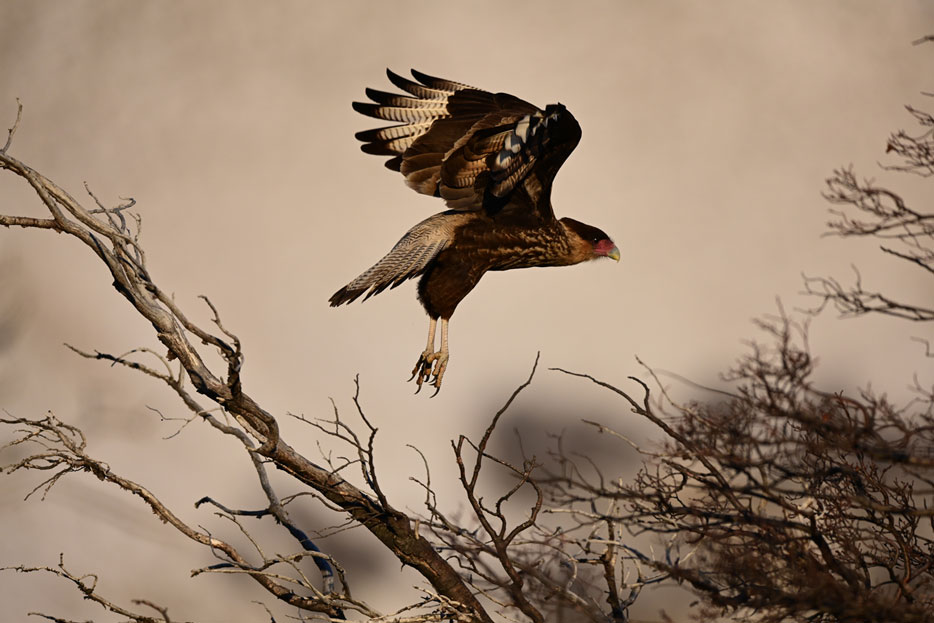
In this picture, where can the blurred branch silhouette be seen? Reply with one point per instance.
(773, 502)
(871, 211)
(780, 502)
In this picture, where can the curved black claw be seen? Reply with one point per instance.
(422, 370)
(423, 373)
(440, 367)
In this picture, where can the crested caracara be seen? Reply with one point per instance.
(492, 158)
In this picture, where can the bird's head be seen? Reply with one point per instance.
(587, 242)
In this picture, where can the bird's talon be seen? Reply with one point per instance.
(424, 361)
(429, 369)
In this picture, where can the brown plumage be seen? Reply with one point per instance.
(492, 157)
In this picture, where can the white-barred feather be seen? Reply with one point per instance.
(394, 113)
(451, 135)
(416, 89)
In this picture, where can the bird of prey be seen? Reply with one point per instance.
(492, 158)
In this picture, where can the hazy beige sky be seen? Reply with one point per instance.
(708, 129)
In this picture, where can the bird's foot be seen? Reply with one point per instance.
(422, 370)
(423, 373)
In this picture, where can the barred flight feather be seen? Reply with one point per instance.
(388, 148)
(440, 83)
(462, 143)
(403, 101)
(396, 113)
(484, 146)
(416, 89)
(503, 186)
(393, 131)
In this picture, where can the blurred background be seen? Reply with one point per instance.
(708, 130)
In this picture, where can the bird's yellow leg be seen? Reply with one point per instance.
(441, 357)
(422, 370)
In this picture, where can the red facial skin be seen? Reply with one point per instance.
(607, 248)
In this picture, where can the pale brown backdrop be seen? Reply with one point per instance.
(708, 129)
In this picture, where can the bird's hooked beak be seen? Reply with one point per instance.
(607, 248)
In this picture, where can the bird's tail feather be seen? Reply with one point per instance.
(409, 258)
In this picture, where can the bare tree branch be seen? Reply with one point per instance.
(109, 235)
(869, 210)
(87, 585)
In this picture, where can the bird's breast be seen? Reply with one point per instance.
(508, 248)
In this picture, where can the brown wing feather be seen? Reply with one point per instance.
(471, 147)
(418, 90)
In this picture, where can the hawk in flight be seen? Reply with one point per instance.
(492, 158)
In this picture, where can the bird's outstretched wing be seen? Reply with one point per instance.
(470, 147)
